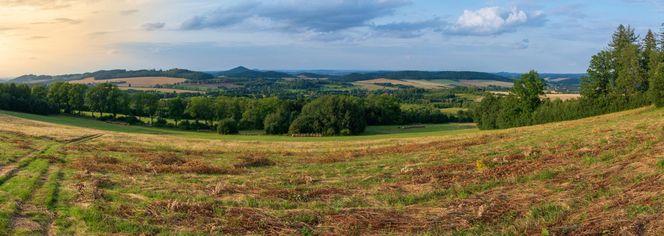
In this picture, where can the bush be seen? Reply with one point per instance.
(160, 122)
(132, 120)
(185, 124)
(345, 132)
(227, 126)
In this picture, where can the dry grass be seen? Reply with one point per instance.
(486, 83)
(40, 129)
(164, 90)
(591, 176)
(552, 96)
(374, 83)
(562, 96)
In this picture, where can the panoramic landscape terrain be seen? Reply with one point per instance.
(427, 118)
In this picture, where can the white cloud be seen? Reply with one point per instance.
(495, 20)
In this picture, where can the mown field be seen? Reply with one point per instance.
(601, 175)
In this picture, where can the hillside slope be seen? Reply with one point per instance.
(600, 175)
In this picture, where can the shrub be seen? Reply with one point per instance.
(227, 126)
(132, 120)
(160, 122)
(253, 161)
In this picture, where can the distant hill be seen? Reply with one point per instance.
(424, 75)
(557, 81)
(113, 74)
(243, 72)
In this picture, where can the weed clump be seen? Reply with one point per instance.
(164, 159)
(249, 161)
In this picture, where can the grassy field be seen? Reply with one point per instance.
(601, 175)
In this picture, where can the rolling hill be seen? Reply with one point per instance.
(600, 175)
(113, 74)
(559, 82)
(243, 72)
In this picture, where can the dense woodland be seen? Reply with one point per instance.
(628, 74)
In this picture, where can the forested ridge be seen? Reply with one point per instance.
(629, 73)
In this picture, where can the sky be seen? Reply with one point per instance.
(73, 36)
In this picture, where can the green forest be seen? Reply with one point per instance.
(628, 74)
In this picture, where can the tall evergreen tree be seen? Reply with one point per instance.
(631, 78)
(623, 37)
(656, 91)
(650, 58)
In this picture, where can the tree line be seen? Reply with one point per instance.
(326, 115)
(628, 74)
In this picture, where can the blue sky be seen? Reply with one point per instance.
(69, 36)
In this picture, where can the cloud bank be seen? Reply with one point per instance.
(329, 20)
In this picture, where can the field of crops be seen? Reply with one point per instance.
(601, 175)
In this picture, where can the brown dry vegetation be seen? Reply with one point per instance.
(601, 175)
(374, 83)
(486, 83)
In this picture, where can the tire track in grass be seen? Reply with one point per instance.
(18, 189)
(18, 212)
(7, 171)
(35, 215)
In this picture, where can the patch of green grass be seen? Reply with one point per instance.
(549, 213)
(589, 160)
(371, 133)
(546, 175)
(18, 188)
(638, 210)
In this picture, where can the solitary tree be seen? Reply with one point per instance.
(528, 90)
(601, 75)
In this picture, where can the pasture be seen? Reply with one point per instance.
(600, 175)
